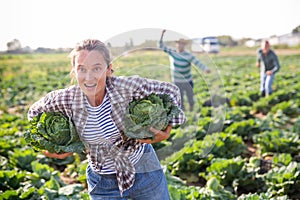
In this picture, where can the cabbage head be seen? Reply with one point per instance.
(54, 132)
(155, 110)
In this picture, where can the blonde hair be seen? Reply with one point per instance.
(89, 45)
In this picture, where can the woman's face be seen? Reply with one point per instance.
(91, 71)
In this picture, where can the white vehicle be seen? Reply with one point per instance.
(206, 44)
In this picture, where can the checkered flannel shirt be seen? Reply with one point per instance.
(120, 91)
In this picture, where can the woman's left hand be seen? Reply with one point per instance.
(158, 135)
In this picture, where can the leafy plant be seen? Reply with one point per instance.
(296, 127)
(11, 179)
(278, 142)
(246, 129)
(25, 78)
(226, 170)
(263, 106)
(216, 191)
(42, 170)
(240, 100)
(284, 180)
(280, 159)
(277, 120)
(196, 156)
(288, 108)
(260, 196)
(22, 158)
(153, 110)
(54, 132)
(212, 190)
(237, 114)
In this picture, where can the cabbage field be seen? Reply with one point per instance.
(253, 154)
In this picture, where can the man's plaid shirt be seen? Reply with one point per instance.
(120, 91)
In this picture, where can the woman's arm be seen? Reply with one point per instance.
(145, 87)
(55, 101)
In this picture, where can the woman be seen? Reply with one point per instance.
(119, 167)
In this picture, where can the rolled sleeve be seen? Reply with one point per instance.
(55, 101)
(36, 108)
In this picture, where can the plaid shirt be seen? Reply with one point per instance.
(120, 91)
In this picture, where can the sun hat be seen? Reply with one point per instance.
(181, 40)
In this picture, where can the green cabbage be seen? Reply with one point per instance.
(54, 132)
(152, 111)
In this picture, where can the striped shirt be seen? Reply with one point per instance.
(99, 125)
(180, 64)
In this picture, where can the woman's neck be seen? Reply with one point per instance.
(97, 100)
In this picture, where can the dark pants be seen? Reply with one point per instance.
(186, 88)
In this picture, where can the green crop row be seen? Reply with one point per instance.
(247, 149)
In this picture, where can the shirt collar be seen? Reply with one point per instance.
(113, 94)
(78, 100)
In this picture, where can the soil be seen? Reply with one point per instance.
(260, 115)
(251, 148)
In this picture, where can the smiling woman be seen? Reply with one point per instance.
(91, 72)
(91, 67)
(118, 166)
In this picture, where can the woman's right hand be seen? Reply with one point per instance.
(56, 155)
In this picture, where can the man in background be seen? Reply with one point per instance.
(269, 65)
(180, 63)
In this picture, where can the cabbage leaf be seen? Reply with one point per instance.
(155, 110)
(54, 132)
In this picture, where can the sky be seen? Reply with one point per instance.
(63, 23)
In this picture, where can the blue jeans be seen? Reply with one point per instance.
(266, 82)
(149, 185)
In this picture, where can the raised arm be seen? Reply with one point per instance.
(162, 45)
(162, 34)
